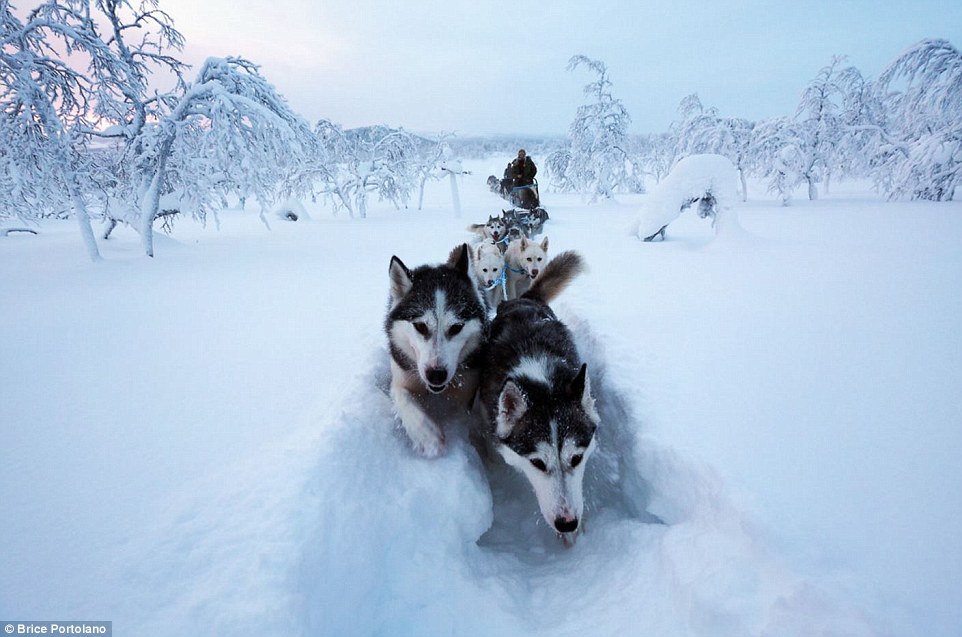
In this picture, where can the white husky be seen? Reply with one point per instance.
(435, 325)
(490, 273)
(524, 260)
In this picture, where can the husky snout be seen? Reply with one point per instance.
(437, 378)
(566, 523)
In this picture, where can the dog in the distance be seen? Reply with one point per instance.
(524, 260)
(490, 273)
(493, 229)
(537, 408)
(526, 222)
(435, 327)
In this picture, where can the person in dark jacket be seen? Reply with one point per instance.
(522, 170)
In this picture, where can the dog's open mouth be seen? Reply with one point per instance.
(437, 389)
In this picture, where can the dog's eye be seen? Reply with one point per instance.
(494, 269)
(455, 329)
(539, 464)
(540, 258)
(422, 329)
(529, 258)
(484, 269)
(576, 460)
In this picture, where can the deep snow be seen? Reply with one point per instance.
(201, 444)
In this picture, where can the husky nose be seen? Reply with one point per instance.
(535, 272)
(565, 525)
(436, 376)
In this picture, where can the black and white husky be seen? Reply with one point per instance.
(435, 328)
(536, 397)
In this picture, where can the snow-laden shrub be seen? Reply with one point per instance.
(707, 182)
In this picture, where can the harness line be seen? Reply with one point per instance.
(502, 280)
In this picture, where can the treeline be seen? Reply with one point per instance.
(88, 137)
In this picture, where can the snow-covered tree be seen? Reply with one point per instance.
(805, 148)
(864, 125)
(125, 101)
(330, 178)
(430, 156)
(46, 105)
(922, 89)
(393, 156)
(689, 130)
(52, 109)
(230, 131)
(378, 159)
(708, 180)
(776, 155)
(657, 152)
(555, 169)
(598, 162)
(701, 131)
(819, 125)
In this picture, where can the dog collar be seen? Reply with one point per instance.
(502, 281)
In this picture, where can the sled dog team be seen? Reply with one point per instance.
(536, 406)
(507, 259)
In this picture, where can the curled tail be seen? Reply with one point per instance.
(556, 276)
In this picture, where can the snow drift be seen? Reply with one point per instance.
(201, 443)
(359, 535)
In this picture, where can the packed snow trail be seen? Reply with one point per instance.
(356, 534)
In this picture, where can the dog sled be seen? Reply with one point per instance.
(526, 215)
(526, 197)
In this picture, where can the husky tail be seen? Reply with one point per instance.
(555, 277)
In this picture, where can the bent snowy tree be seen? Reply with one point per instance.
(51, 108)
(706, 180)
(231, 131)
(922, 90)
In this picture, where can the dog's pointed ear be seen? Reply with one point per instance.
(460, 259)
(524, 243)
(580, 389)
(512, 405)
(576, 388)
(401, 279)
(544, 244)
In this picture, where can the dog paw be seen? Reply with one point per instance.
(429, 446)
(428, 441)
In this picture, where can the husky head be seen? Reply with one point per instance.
(436, 318)
(546, 430)
(532, 256)
(488, 263)
(494, 228)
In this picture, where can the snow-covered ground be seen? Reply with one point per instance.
(200, 444)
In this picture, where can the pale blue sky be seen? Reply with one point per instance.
(472, 67)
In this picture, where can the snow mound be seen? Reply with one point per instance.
(705, 182)
(346, 531)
